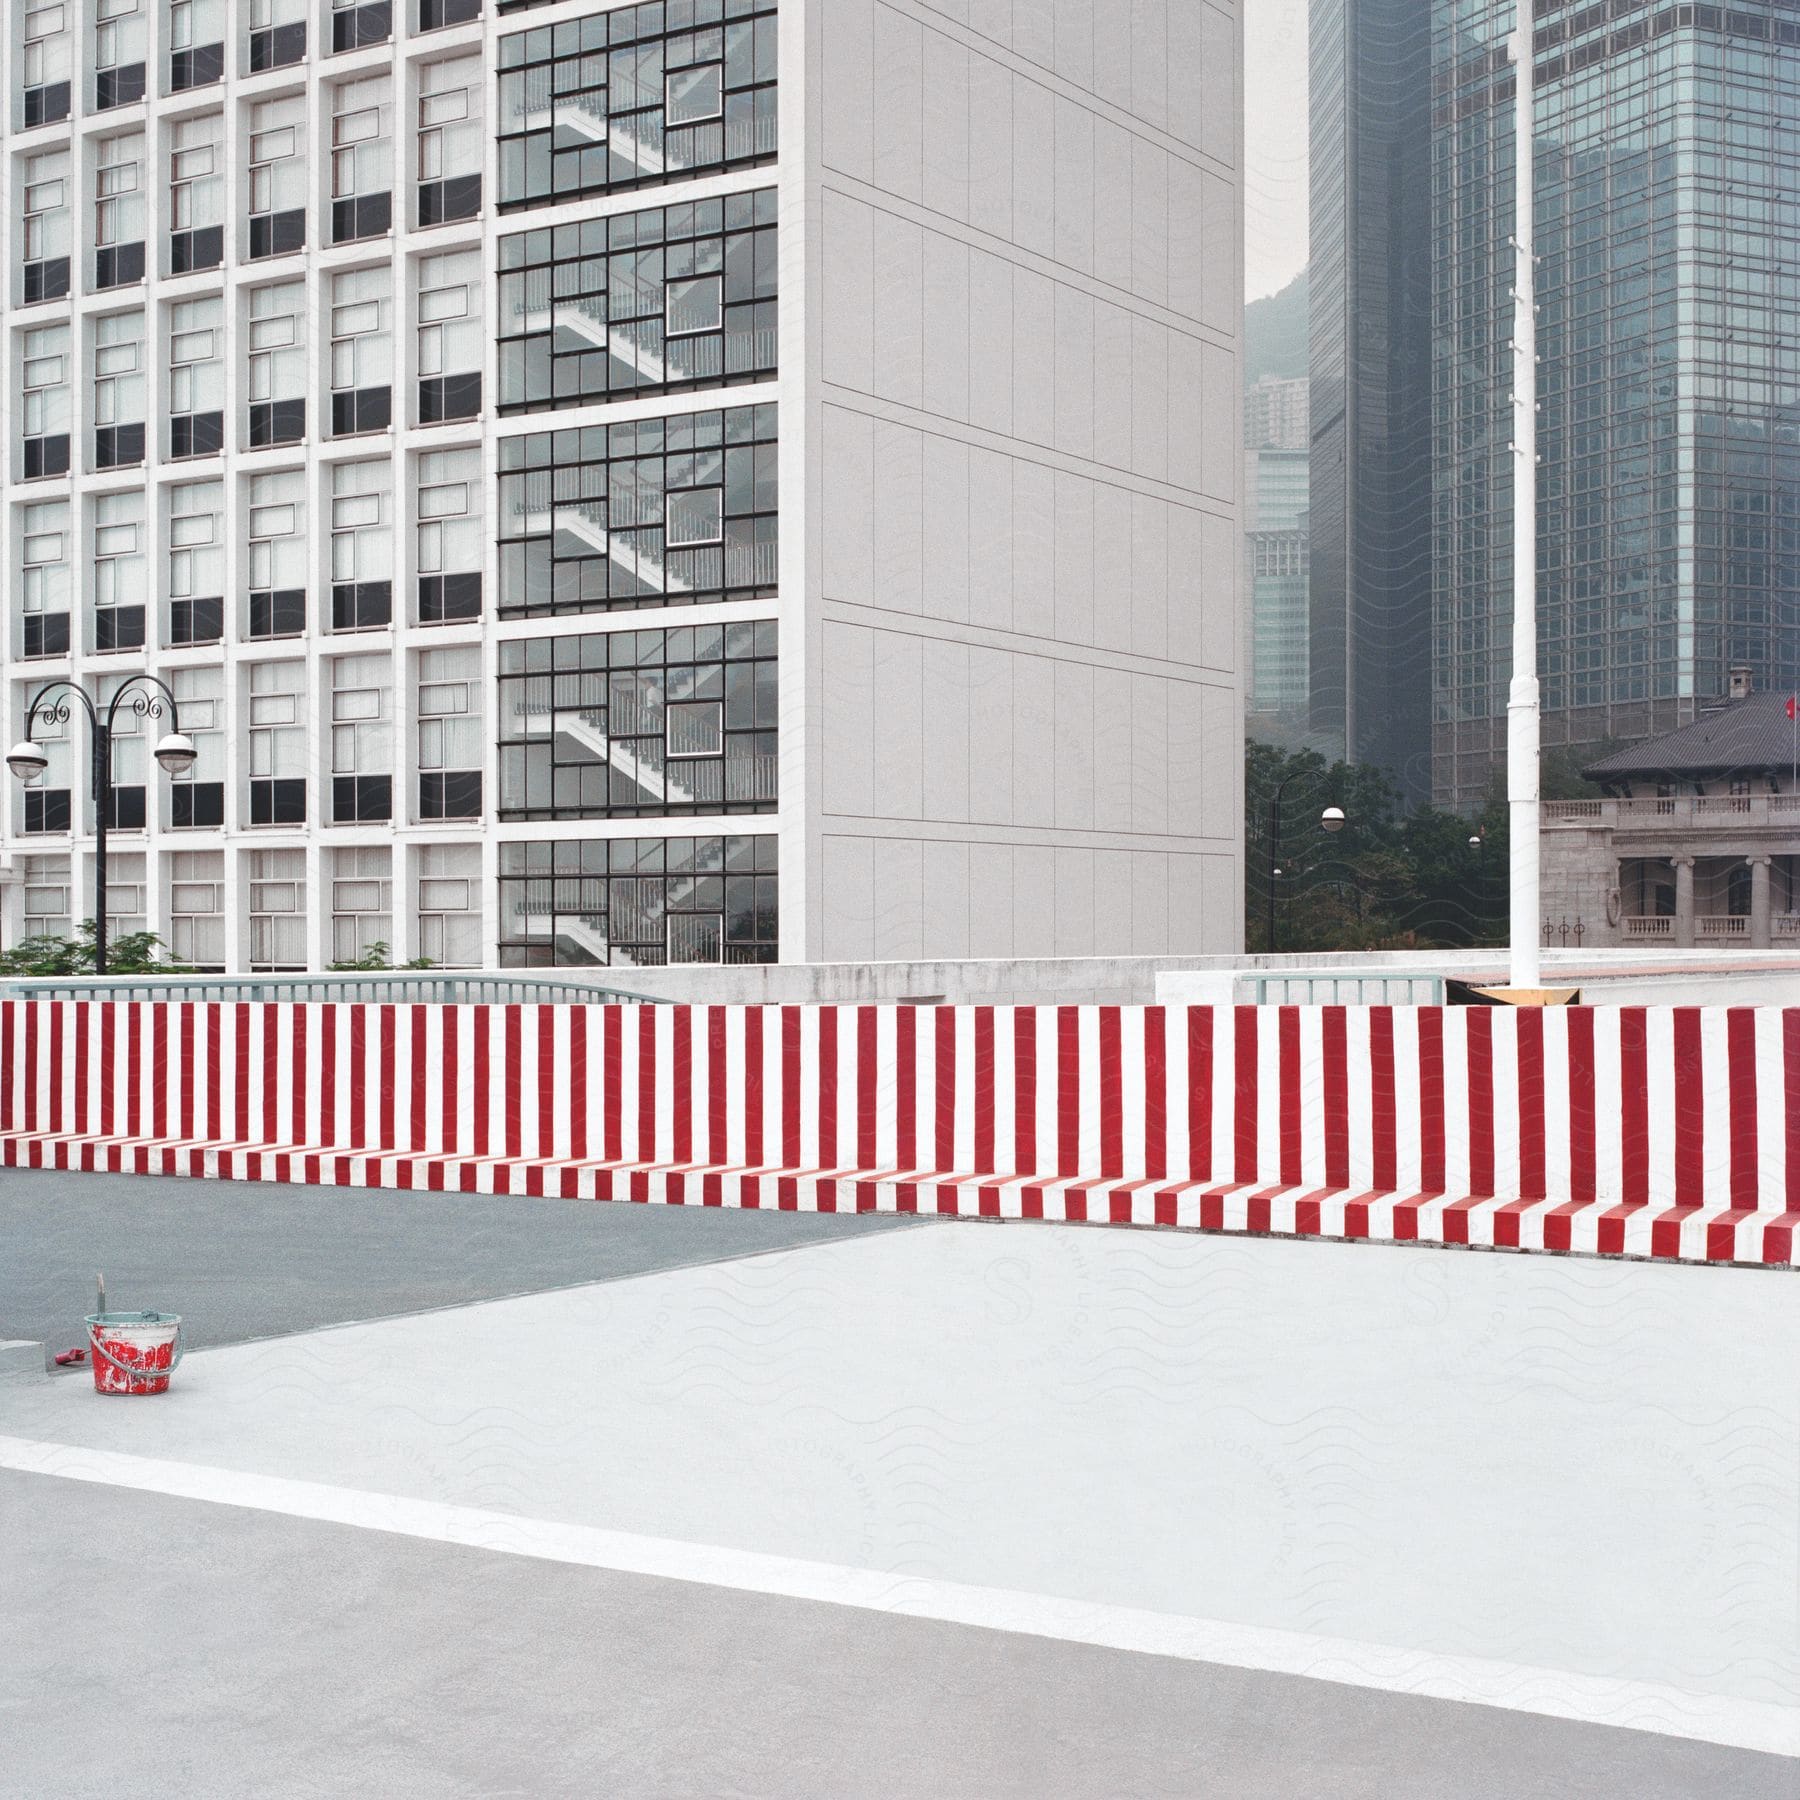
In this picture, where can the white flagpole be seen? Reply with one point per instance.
(1522, 720)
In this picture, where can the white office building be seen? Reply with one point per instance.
(690, 481)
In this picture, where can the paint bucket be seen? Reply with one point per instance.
(134, 1353)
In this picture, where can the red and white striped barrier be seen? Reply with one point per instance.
(1666, 1132)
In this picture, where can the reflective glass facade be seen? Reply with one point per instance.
(1668, 214)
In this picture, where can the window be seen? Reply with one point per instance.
(362, 168)
(618, 100)
(46, 239)
(362, 740)
(277, 560)
(277, 913)
(638, 902)
(196, 909)
(47, 60)
(44, 881)
(362, 352)
(196, 196)
(449, 542)
(277, 34)
(362, 547)
(197, 798)
(450, 736)
(46, 578)
(277, 744)
(436, 15)
(196, 396)
(119, 212)
(353, 26)
(639, 723)
(641, 303)
(126, 805)
(450, 347)
(449, 904)
(120, 37)
(362, 906)
(278, 177)
(47, 798)
(277, 365)
(44, 401)
(610, 517)
(196, 562)
(119, 391)
(196, 44)
(119, 571)
(450, 140)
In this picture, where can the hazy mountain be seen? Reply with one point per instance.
(1275, 334)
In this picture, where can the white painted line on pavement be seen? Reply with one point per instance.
(1518, 1687)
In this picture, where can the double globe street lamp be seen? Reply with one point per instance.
(50, 707)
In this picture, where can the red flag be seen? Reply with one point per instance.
(1793, 706)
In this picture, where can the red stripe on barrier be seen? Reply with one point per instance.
(1025, 1090)
(1384, 1136)
(83, 1026)
(449, 1107)
(545, 1141)
(1068, 1091)
(1156, 1095)
(1530, 1027)
(1334, 1024)
(1583, 1161)
(1481, 1100)
(1287, 1094)
(682, 1050)
(1790, 1065)
(1746, 1163)
(297, 1077)
(984, 1087)
(241, 1098)
(790, 1087)
(1431, 1100)
(359, 1076)
(1634, 1107)
(56, 1068)
(328, 1018)
(718, 1092)
(31, 1066)
(1690, 1108)
(649, 1084)
(944, 1087)
(1111, 1077)
(13, 1065)
(512, 1084)
(1200, 1093)
(214, 1074)
(1244, 1081)
(867, 1087)
(134, 1044)
(752, 1017)
(612, 1076)
(906, 1087)
(828, 1088)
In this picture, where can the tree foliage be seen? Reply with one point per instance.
(1390, 880)
(131, 953)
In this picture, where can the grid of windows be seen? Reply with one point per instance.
(641, 303)
(639, 902)
(627, 724)
(636, 95)
(656, 512)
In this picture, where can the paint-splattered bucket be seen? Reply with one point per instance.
(134, 1353)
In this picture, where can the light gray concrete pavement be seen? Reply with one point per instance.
(159, 1645)
(241, 1260)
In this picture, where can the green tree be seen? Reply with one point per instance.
(131, 953)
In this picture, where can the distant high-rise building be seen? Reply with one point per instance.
(1275, 414)
(1275, 560)
(1669, 320)
(1370, 367)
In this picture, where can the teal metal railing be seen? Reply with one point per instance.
(398, 986)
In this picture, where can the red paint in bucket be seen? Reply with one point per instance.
(134, 1353)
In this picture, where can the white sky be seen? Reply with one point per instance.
(1274, 144)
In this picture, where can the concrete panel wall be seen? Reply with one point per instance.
(1022, 602)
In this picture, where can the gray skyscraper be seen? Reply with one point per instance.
(1669, 337)
(1370, 367)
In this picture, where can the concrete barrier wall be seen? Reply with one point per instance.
(1672, 1131)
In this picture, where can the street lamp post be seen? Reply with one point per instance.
(50, 706)
(1331, 819)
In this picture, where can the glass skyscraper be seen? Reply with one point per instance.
(1668, 220)
(1369, 361)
